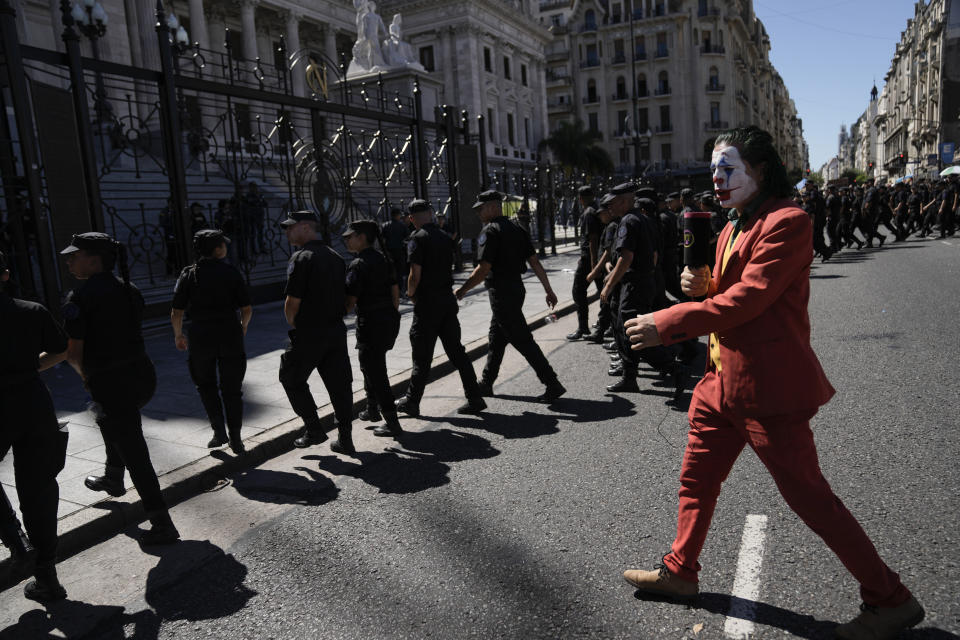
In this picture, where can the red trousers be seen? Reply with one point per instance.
(785, 445)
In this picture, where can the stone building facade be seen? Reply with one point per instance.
(919, 106)
(661, 78)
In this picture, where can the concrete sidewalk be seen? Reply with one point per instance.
(176, 426)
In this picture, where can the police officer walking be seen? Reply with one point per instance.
(503, 253)
(30, 341)
(211, 291)
(395, 234)
(635, 271)
(314, 307)
(103, 321)
(372, 289)
(590, 229)
(604, 264)
(430, 286)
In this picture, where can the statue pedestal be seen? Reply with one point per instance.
(402, 80)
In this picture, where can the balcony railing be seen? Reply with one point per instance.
(716, 125)
(590, 62)
(546, 5)
(559, 29)
(620, 96)
(715, 87)
(662, 91)
(640, 55)
(559, 107)
(663, 128)
(712, 49)
(662, 52)
(557, 54)
(588, 27)
(619, 59)
(591, 100)
(559, 77)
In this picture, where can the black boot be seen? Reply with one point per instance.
(22, 554)
(370, 414)
(473, 407)
(310, 435)
(110, 482)
(236, 442)
(615, 371)
(162, 530)
(579, 334)
(553, 392)
(391, 429)
(486, 389)
(344, 442)
(408, 407)
(679, 376)
(45, 587)
(627, 383)
(219, 438)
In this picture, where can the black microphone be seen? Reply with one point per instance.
(696, 238)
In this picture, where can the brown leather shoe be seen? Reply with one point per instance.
(661, 582)
(881, 623)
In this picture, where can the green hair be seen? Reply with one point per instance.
(756, 147)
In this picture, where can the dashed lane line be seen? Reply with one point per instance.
(746, 584)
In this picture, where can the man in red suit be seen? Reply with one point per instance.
(762, 385)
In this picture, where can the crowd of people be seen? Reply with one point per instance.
(653, 308)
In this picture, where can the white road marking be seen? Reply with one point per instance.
(947, 243)
(746, 584)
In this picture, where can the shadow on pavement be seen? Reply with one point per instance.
(523, 425)
(420, 464)
(583, 410)
(176, 590)
(284, 487)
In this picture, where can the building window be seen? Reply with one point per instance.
(621, 88)
(526, 132)
(714, 78)
(642, 86)
(235, 42)
(643, 120)
(665, 118)
(645, 152)
(621, 122)
(506, 68)
(618, 55)
(661, 45)
(592, 91)
(714, 113)
(491, 129)
(510, 133)
(523, 75)
(663, 83)
(593, 123)
(666, 153)
(640, 48)
(617, 13)
(426, 58)
(487, 60)
(590, 20)
(279, 57)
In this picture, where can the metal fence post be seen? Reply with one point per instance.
(421, 144)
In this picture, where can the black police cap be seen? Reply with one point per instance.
(295, 217)
(624, 189)
(206, 240)
(646, 205)
(418, 205)
(673, 196)
(92, 241)
(586, 191)
(366, 227)
(487, 196)
(605, 201)
(647, 192)
(686, 193)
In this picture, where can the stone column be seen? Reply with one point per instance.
(248, 24)
(292, 41)
(198, 25)
(330, 44)
(147, 19)
(216, 28)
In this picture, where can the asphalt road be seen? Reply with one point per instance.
(518, 524)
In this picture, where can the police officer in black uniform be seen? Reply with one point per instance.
(635, 271)
(833, 205)
(372, 290)
(210, 292)
(604, 265)
(503, 252)
(314, 308)
(30, 341)
(870, 215)
(430, 286)
(590, 229)
(103, 320)
(395, 234)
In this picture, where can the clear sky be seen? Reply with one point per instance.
(828, 53)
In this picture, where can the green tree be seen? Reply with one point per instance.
(575, 148)
(854, 175)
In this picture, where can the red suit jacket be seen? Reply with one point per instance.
(758, 308)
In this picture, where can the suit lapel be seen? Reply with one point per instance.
(735, 263)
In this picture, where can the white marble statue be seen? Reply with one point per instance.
(369, 56)
(396, 52)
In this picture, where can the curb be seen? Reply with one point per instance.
(97, 523)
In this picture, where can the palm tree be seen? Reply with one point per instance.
(576, 149)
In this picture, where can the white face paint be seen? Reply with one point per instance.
(733, 186)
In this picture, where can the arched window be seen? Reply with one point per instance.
(663, 83)
(642, 85)
(621, 88)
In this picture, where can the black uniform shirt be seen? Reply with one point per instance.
(506, 247)
(608, 238)
(590, 228)
(914, 203)
(635, 235)
(369, 280)
(432, 249)
(670, 239)
(871, 200)
(211, 291)
(834, 204)
(28, 330)
(106, 314)
(394, 233)
(317, 275)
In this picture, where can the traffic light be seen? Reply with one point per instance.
(808, 172)
(871, 165)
